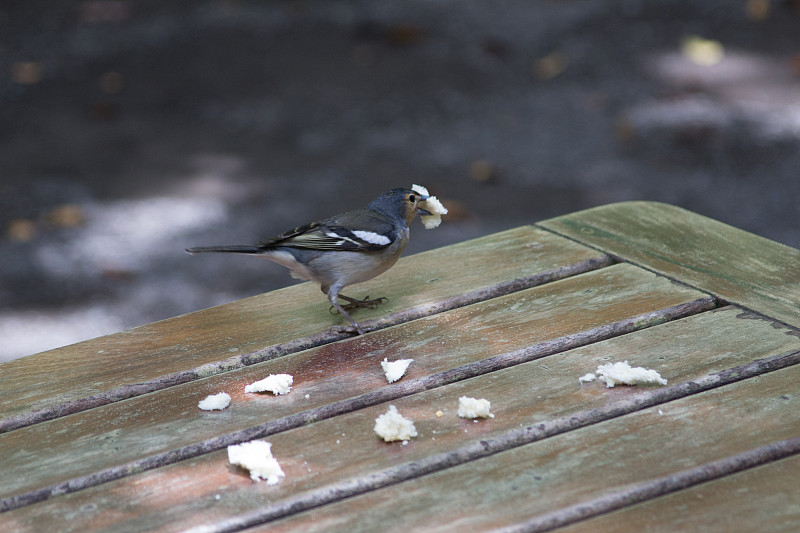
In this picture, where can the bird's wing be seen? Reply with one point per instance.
(331, 236)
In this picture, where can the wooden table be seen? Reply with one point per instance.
(106, 434)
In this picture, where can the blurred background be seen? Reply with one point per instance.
(131, 129)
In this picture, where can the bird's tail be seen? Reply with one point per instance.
(234, 249)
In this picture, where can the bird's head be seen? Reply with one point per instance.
(401, 203)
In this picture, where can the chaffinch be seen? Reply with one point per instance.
(344, 249)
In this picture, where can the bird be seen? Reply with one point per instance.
(344, 249)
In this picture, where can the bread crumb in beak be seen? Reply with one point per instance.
(432, 206)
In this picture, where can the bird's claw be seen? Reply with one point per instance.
(365, 303)
(354, 304)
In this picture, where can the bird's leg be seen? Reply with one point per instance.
(366, 303)
(333, 293)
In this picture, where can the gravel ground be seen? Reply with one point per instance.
(131, 130)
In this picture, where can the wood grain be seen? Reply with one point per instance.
(161, 427)
(734, 265)
(540, 401)
(111, 368)
(530, 484)
(117, 441)
(759, 499)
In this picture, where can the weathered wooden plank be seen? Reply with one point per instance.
(188, 347)
(532, 400)
(537, 480)
(42, 459)
(735, 265)
(765, 498)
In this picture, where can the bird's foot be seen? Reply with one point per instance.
(366, 303)
(355, 304)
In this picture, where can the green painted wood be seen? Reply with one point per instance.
(732, 264)
(188, 347)
(766, 498)
(540, 399)
(539, 479)
(446, 347)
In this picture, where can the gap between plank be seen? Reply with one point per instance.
(233, 363)
(388, 393)
(648, 490)
(620, 259)
(527, 435)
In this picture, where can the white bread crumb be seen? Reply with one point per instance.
(622, 373)
(420, 189)
(274, 383)
(394, 370)
(392, 426)
(473, 408)
(431, 205)
(435, 207)
(256, 457)
(587, 378)
(431, 221)
(215, 402)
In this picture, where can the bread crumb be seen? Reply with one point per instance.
(432, 205)
(394, 370)
(274, 383)
(420, 189)
(622, 373)
(392, 426)
(439, 414)
(215, 402)
(587, 378)
(474, 408)
(256, 457)
(431, 221)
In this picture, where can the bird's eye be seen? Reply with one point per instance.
(412, 198)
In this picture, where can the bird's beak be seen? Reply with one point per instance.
(421, 211)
